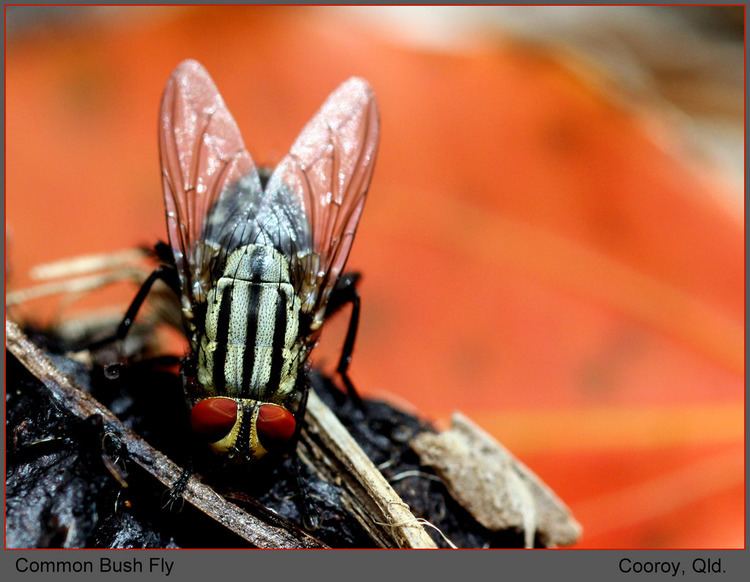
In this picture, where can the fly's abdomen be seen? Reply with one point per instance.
(251, 348)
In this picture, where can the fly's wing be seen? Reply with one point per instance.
(317, 192)
(211, 185)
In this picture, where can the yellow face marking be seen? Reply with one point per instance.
(228, 445)
(256, 448)
(225, 445)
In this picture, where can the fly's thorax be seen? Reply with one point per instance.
(257, 263)
(242, 429)
(250, 347)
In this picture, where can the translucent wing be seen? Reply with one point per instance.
(318, 190)
(210, 182)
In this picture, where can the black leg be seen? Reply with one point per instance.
(164, 273)
(342, 292)
(345, 292)
(307, 513)
(299, 415)
(114, 453)
(310, 520)
(173, 500)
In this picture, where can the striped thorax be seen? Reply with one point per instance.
(251, 347)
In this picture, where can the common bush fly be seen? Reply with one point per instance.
(257, 258)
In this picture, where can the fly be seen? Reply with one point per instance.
(257, 260)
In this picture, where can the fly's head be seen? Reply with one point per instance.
(241, 429)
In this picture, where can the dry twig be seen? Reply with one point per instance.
(371, 499)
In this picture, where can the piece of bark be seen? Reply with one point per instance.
(371, 499)
(249, 527)
(497, 489)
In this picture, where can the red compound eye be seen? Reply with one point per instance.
(213, 418)
(275, 426)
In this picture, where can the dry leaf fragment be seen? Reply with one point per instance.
(497, 489)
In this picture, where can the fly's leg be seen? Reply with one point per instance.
(172, 499)
(345, 292)
(114, 453)
(165, 273)
(309, 519)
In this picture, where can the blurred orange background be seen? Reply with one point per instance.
(542, 249)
